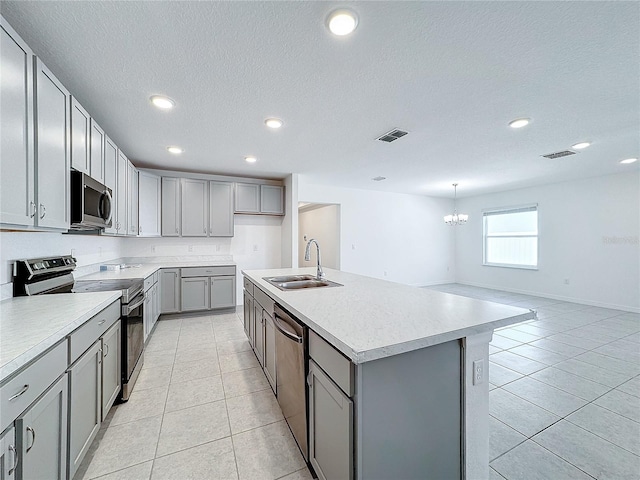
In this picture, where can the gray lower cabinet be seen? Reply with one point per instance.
(147, 314)
(248, 317)
(85, 377)
(195, 293)
(169, 290)
(258, 320)
(270, 350)
(8, 455)
(41, 436)
(111, 375)
(223, 291)
(330, 427)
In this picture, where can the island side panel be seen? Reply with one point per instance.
(408, 415)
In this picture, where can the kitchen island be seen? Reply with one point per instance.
(418, 406)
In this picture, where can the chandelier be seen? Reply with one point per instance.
(456, 218)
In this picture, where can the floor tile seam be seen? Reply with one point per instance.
(606, 368)
(193, 406)
(547, 410)
(557, 454)
(238, 370)
(571, 393)
(604, 439)
(193, 379)
(507, 451)
(256, 428)
(164, 408)
(295, 471)
(233, 446)
(248, 393)
(116, 471)
(586, 378)
(190, 447)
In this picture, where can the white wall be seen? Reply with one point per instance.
(323, 224)
(87, 249)
(402, 235)
(255, 245)
(588, 233)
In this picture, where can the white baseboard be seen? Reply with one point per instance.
(626, 308)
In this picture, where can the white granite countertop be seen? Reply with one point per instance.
(367, 319)
(30, 325)
(143, 270)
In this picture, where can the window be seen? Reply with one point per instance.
(511, 237)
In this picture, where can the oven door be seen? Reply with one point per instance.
(133, 341)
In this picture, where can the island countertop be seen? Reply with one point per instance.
(368, 319)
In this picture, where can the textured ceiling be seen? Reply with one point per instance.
(451, 73)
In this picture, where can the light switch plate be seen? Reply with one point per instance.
(478, 372)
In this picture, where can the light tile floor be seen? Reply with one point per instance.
(564, 401)
(565, 391)
(201, 409)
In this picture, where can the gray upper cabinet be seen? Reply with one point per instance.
(80, 138)
(247, 198)
(149, 204)
(170, 207)
(254, 198)
(17, 192)
(195, 207)
(110, 180)
(52, 150)
(132, 201)
(121, 194)
(96, 152)
(272, 199)
(220, 209)
(41, 434)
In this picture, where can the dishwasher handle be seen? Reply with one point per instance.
(281, 327)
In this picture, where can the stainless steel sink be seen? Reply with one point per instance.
(298, 282)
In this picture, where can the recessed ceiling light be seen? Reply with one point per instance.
(519, 123)
(581, 145)
(342, 22)
(160, 101)
(629, 160)
(250, 159)
(273, 122)
(175, 150)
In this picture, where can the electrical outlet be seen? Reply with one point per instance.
(478, 372)
(353, 246)
(153, 249)
(566, 281)
(191, 248)
(255, 247)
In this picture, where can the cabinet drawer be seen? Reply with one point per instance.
(248, 286)
(337, 366)
(264, 300)
(85, 336)
(33, 380)
(148, 282)
(208, 271)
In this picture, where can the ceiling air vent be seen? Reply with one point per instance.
(392, 136)
(564, 153)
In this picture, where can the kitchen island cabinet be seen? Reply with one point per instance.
(390, 376)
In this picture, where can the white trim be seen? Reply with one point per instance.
(509, 265)
(514, 208)
(613, 306)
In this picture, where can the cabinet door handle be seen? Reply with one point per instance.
(102, 321)
(44, 211)
(16, 459)
(33, 434)
(205, 230)
(176, 229)
(24, 389)
(106, 350)
(34, 209)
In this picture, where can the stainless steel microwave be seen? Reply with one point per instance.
(91, 203)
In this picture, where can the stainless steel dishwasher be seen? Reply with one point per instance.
(291, 343)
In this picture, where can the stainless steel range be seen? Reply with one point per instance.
(132, 322)
(41, 276)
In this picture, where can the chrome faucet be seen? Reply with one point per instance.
(307, 257)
